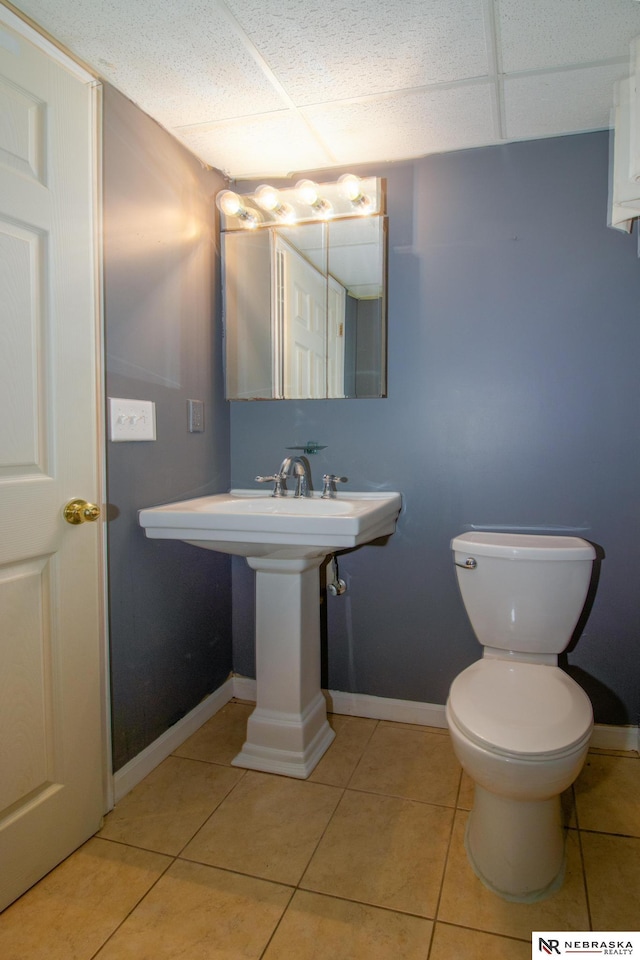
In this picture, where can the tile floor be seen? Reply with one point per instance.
(204, 861)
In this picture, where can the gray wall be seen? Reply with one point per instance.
(170, 610)
(514, 399)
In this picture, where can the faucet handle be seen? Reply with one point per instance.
(329, 489)
(279, 479)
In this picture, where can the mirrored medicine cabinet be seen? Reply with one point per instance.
(304, 289)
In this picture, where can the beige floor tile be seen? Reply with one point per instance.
(75, 908)
(340, 760)
(221, 738)
(268, 826)
(458, 943)
(467, 902)
(385, 851)
(612, 868)
(607, 795)
(324, 928)
(200, 913)
(164, 811)
(411, 763)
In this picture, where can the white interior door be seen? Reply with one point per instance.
(52, 732)
(305, 325)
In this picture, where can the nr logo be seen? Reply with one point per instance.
(548, 946)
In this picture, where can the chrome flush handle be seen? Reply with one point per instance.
(469, 564)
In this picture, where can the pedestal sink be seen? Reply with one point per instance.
(284, 540)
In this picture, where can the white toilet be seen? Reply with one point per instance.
(520, 725)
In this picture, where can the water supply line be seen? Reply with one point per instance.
(335, 585)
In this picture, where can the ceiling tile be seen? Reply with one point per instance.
(552, 33)
(182, 61)
(332, 49)
(254, 146)
(551, 104)
(399, 126)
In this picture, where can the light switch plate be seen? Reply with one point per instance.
(131, 420)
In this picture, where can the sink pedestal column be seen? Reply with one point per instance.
(288, 732)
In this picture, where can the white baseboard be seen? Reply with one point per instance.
(363, 705)
(244, 688)
(608, 737)
(384, 708)
(148, 759)
(605, 736)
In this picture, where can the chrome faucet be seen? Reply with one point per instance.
(297, 467)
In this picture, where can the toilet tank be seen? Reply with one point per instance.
(525, 592)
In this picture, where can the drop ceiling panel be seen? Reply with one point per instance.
(550, 104)
(411, 124)
(271, 145)
(332, 50)
(552, 33)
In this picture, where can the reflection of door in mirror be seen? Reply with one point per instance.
(304, 316)
(337, 296)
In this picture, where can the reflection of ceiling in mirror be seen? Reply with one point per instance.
(310, 240)
(355, 252)
(355, 255)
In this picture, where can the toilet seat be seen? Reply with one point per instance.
(520, 709)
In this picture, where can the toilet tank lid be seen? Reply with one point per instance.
(523, 546)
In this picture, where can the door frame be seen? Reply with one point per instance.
(29, 31)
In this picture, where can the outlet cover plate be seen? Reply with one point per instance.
(195, 416)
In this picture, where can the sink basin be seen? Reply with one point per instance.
(252, 523)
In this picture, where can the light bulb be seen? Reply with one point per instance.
(307, 191)
(350, 187)
(267, 197)
(229, 203)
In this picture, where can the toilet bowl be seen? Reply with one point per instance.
(519, 725)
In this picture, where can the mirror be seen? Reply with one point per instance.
(305, 303)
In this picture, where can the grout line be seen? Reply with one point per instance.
(137, 904)
(444, 865)
(610, 833)
(482, 930)
(215, 809)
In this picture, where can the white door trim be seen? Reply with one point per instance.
(21, 26)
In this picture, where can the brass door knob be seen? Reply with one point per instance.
(79, 511)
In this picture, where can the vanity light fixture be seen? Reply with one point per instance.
(307, 202)
(231, 205)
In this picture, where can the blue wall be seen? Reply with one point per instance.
(170, 604)
(514, 399)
